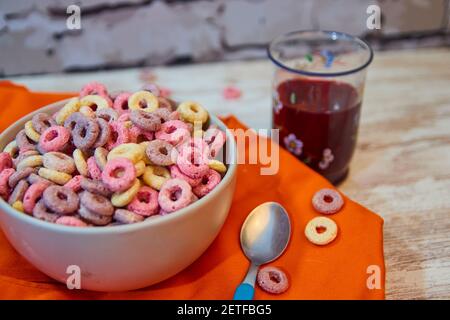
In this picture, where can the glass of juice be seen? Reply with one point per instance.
(317, 94)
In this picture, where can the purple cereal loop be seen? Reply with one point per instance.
(23, 142)
(61, 200)
(18, 192)
(145, 120)
(96, 203)
(19, 175)
(107, 114)
(41, 212)
(96, 219)
(85, 133)
(95, 186)
(73, 119)
(160, 152)
(42, 122)
(105, 132)
(127, 217)
(174, 195)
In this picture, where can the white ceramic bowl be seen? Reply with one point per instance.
(124, 257)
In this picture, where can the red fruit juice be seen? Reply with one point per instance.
(318, 121)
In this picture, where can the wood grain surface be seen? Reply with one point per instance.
(401, 168)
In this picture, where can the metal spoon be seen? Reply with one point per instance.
(264, 237)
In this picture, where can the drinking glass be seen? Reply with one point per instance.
(317, 89)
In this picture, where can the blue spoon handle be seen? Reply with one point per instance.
(246, 290)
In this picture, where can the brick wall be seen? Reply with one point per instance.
(119, 33)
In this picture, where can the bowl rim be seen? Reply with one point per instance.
(25, 218)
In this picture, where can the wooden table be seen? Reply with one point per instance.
(401, 168)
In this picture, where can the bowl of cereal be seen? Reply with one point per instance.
(126, 190)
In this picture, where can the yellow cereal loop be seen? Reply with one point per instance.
(144, 147)
(12, 148)
(30, 132)
(217, 165)
(70, 107)
(94, 99)
(54, 176)
(123, 198)
(80, 162)
(31, 161)
(100, 154)
(18, 205)
(191, 112)
(140, 168)
(143, 100)
(132, 151)
(155, 176)
(87, 111)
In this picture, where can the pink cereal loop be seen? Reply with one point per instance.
(173, 131)
(145, 203)
(71, 221)
(93, 88)
(215, 138)
(119, 134)
(207, 183)
(272, 280)
(111, 178)
(231, 93)
(75, 183)
(174, 195)
(32, 195)
(93, 169)
(121, 102)
(4, 179)
(138, 135)
(192, 163)
(5, 161)
(327, 201)
(54, 138)
(175, 172)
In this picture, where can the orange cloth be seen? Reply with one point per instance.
(335, 271)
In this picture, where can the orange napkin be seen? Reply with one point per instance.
(340, 270)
